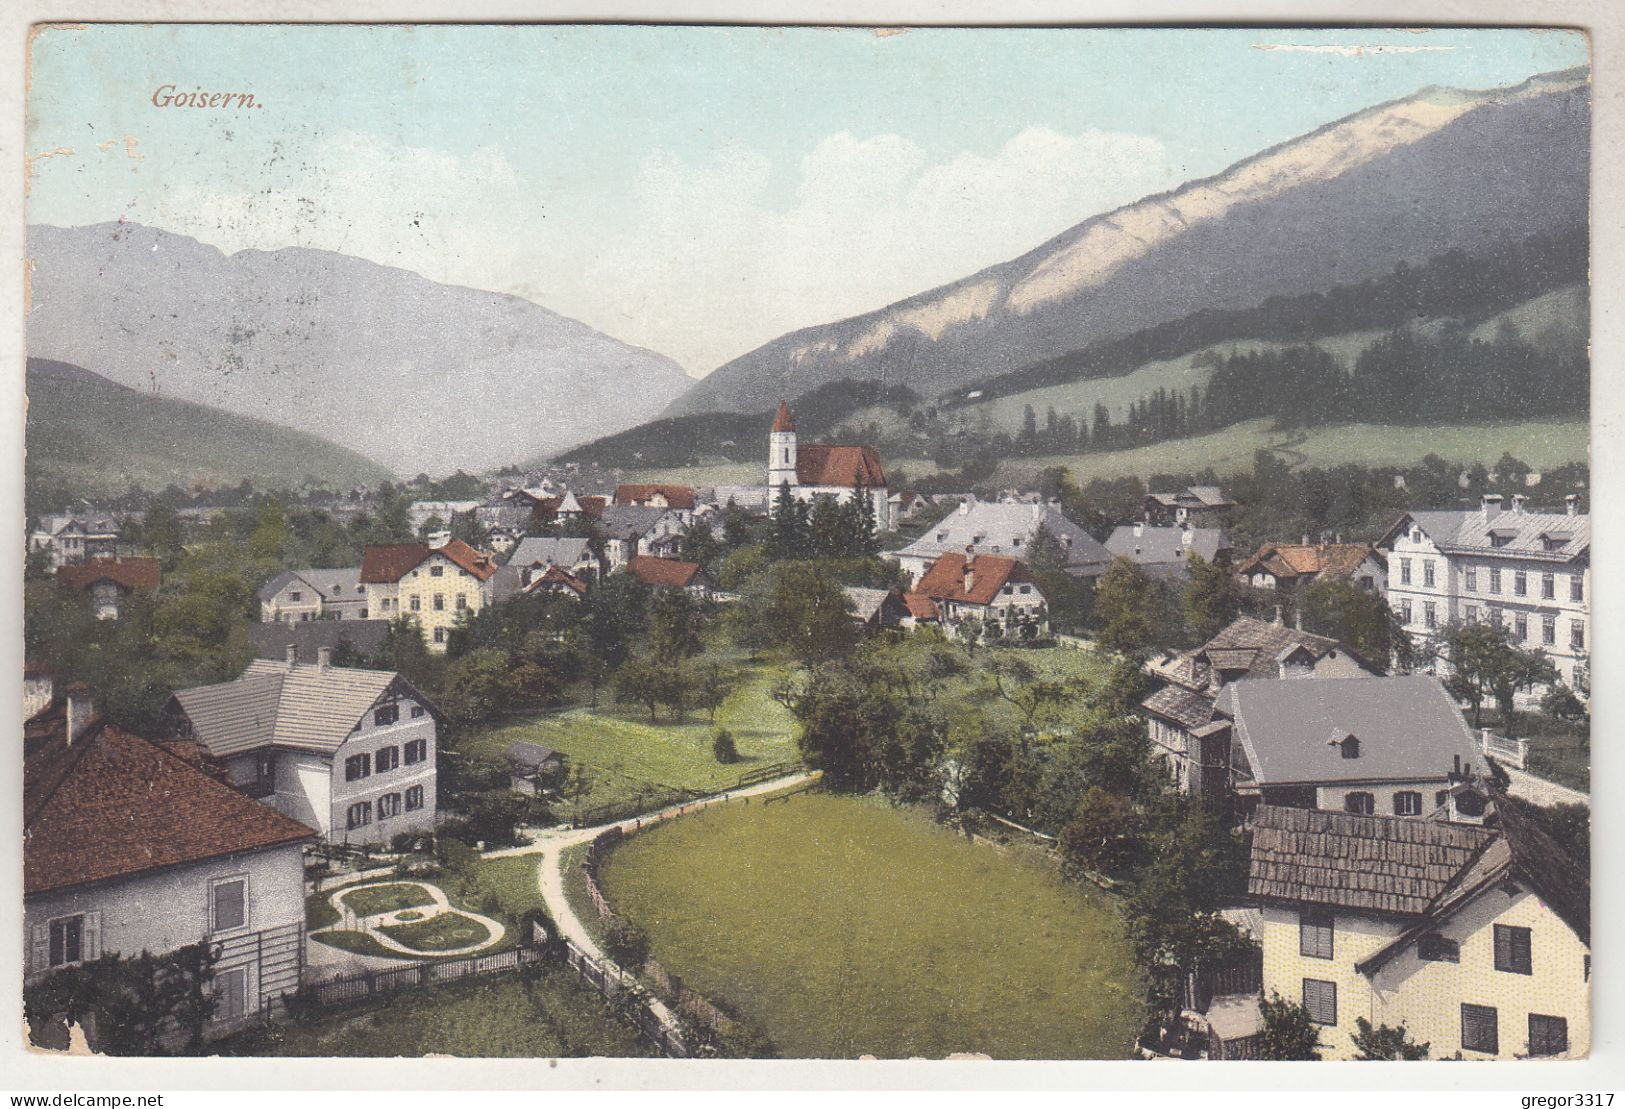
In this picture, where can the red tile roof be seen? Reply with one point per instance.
(782, 421)
(129, 573)
(664, 571)
(389, 563)
(945, 580)
(557, 576)
(845, 467)
(1328, 560)
(113, 804)
(921, 607)
(677, 496)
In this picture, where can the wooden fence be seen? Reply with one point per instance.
(365, 984)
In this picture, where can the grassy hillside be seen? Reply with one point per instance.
(88, 436)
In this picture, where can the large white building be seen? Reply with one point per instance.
(1007, 529)
(814, 470)
(1529, 572)
(349, 752)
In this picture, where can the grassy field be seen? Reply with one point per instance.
(555, 1017)
(624, 751)
(843, 927)
(387, 898)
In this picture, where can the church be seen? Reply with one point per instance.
(819, 470)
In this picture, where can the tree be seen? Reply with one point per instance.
(1125, 607)
(1486, 663)
(1102, 835)
(798, 606)
(1364, 622)
(1212, 598)
(626, 943)
(1289, 1035)
(674, 627)
(1385, 1043)
(129, 1004)
(478, 686)
(643, 680)
(722, 747)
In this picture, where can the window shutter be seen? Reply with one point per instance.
(91, 941)
(42, 947)
(1503, 947)
(1522, 955)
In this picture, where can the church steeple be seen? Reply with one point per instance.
(781, 450)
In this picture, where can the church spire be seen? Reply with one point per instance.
(783, 422)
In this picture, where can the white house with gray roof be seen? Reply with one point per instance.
(1166, 551)
(1528, 572)
(535, 554)
(348, 752)
(1391, 746)
(1002, 528)
(294, 596)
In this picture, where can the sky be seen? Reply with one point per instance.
(695, 190)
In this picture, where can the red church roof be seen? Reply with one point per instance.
(846, 467)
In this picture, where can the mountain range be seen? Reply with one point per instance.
(417, 375)
(1443, 170)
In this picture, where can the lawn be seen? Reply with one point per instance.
(358, 943)
(1558, 751)
(841, 927)
(626, 754)
(444, 932)
(369, 900)
(501, 1016)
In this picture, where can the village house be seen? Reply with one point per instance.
(349, 752)
(109, 582)
(906, 506)
(1197, 504)
(671, 573)
(308, 637)
(69, 538)
(679, 499)
(435, 586)
(630, 531)
(996, 590)
(815, 470)
(557, 581)
(1390, 745)
(421, 513)
(535, 554)
(1179, 715)
(879, 608)
(1475, 938)
(1291, 567)
(1527, 572)
(534, 769)
(294, 596)
(1006, 529)
(756, 500)
(133, 846)
(1166, 551)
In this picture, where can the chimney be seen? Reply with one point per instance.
(80, 711)
(1278, 621)
(1185, 537)
(1305, 541)
(1139, 530)
(964, 505)
(970, 573)
(1297, 617)
(1572, 503)
(1491, 505)
(1517, 502)
(324, 657)
(291, 654)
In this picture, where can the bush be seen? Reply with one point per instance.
(1102, 835)
(626, 943)
(722, 746)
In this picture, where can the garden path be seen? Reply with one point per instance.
(373, 924)
(1541, 792)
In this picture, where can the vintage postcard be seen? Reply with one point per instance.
(723, 542)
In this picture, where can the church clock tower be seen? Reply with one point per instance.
(781, 451)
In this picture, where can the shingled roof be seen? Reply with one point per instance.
(112, 804)
(1384, 864)
(312, 708)
(1181, 705)
(1328, 561)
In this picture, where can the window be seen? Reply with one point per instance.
(356, 767)
(231, 994)
(1320, 998)
(1359, 803)
(1548, 587)
(462, 601)
(1430, 614)
(1469, 613)
(1407, 802)
(1548, 1035)
(228, 903)
(389, 805)
(417, 711)
(1520, 584)
(1427, 573)
(417, 750)
(1470, 579)
(437, 571)
(1577, 588)
(1478, 1029)
(295, 595)
(386, 714)
(1520, 626)
(1548, 628)
(1434, 948)
(1441, 798)
(417, 603)
(1512, 949)
(1405, 611)
(388, 758)
(67, 940)
(1404, 571)
(360, 815)
(1495, 579)
(440, 635)
(1315, 933)
(414, 798)
(440, 602)
(1577, 635)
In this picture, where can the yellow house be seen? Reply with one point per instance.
(435, 586)
(1475, 938)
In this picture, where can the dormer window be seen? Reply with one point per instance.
(1349, 747)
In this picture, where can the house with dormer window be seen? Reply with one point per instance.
(436, 586)
(349, 752)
